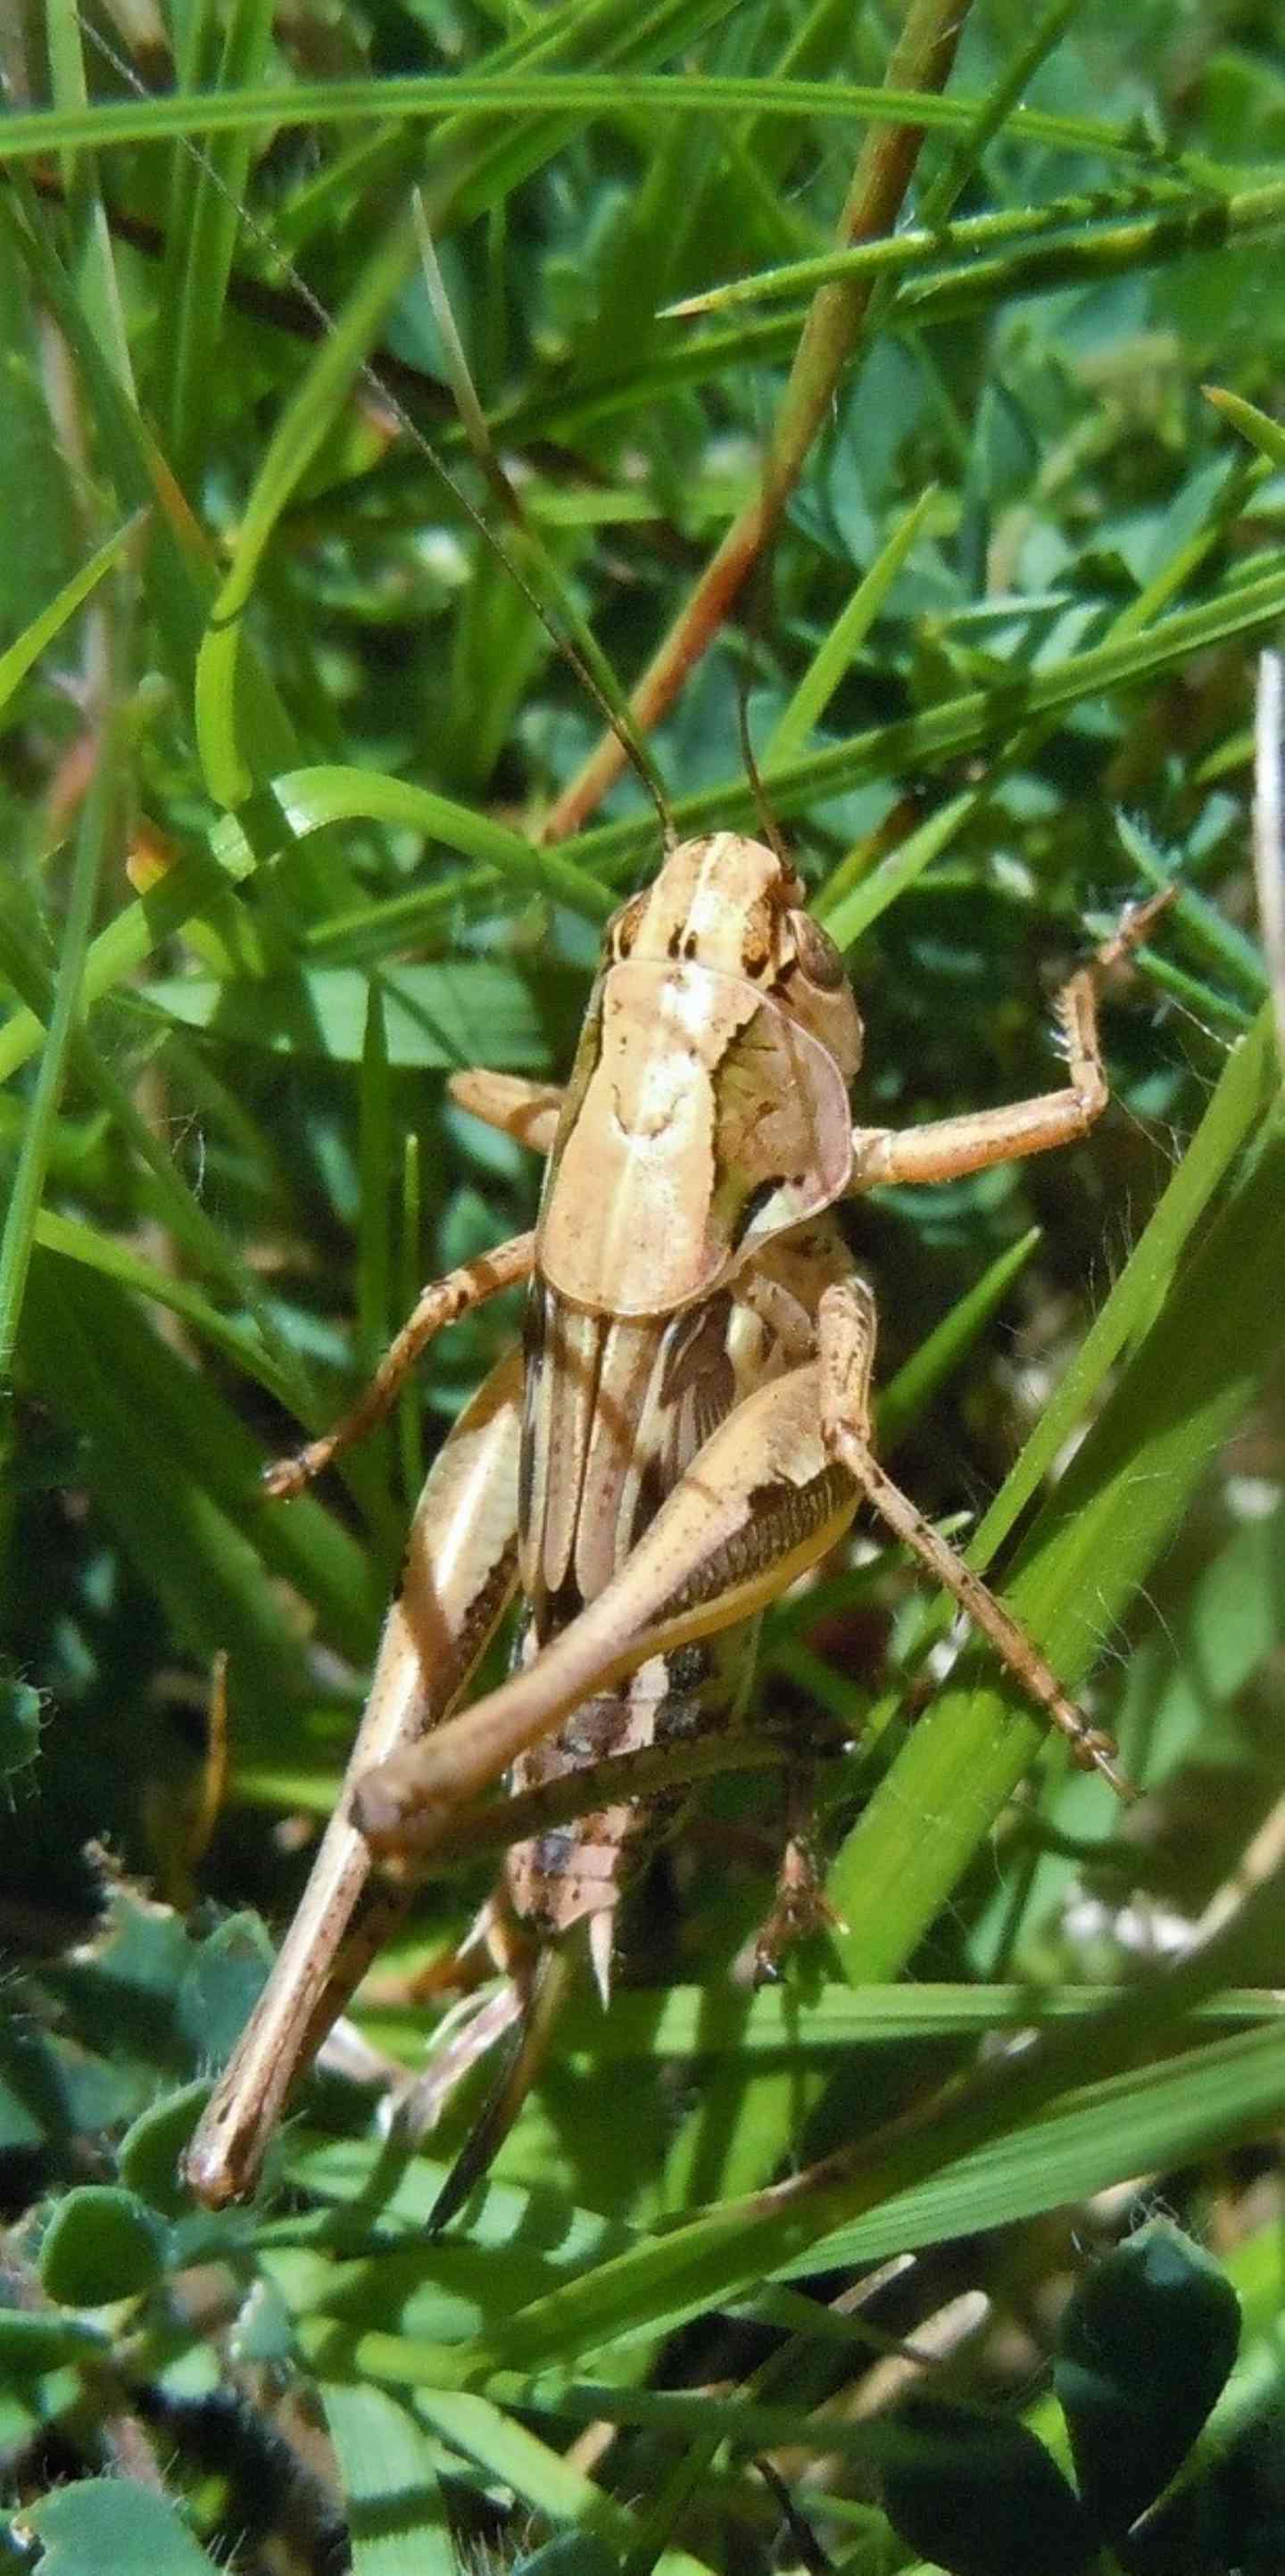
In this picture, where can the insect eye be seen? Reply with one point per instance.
(622, 929)
(817, 955)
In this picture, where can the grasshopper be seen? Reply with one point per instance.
(686, 1429)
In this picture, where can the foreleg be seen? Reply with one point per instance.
(527, 1111)
(947, 1148)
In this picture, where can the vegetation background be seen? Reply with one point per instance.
(272, 874)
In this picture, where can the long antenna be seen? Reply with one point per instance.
(771, 829)
(580, 655)
(768, 823)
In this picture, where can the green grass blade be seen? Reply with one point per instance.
(965, 724)
(1009, 2111)
(24, 1205)
(232, 753)
(850, 628)
(399, 2525)
(1185, 1389)
(206, 193)
(27, 648)
(29, 135)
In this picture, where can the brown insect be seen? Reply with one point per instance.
(685, 1430)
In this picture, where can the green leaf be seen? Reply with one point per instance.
(101, 2244)
(32, 2343)
(973, 2494)
(969, 722)
(1145, 2346)
(19, 1724)
(102, 2523)
(438, 1017)
(223, 1984)
(1262, 432)
(150, 2150)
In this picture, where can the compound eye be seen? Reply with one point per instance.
(815, 950)
(622, 929)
